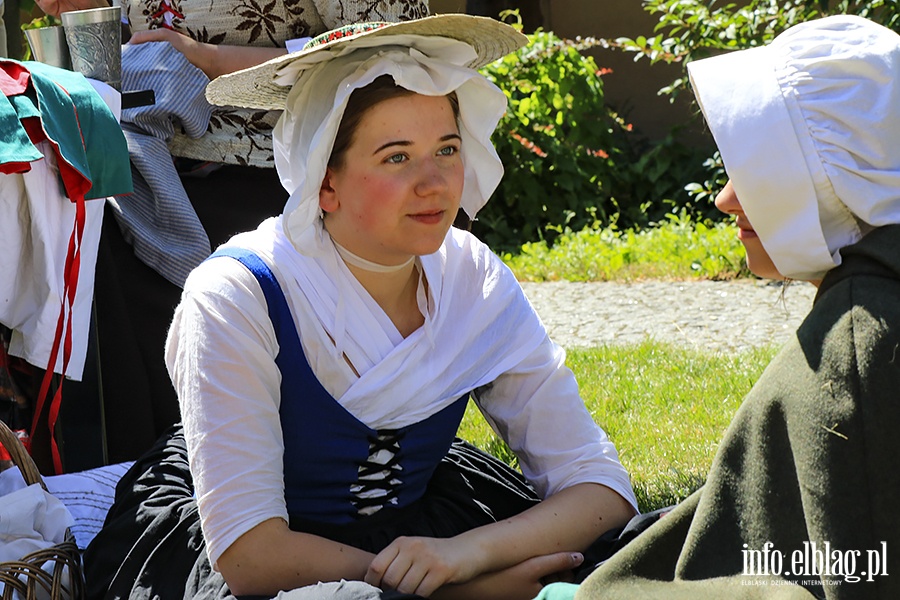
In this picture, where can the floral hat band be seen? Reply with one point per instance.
(261, 87)
(342, 32)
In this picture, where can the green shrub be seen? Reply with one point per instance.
(570, 159)
(557, 141)
(676, 248)
(692, 29)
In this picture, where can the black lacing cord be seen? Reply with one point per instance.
(389, 440)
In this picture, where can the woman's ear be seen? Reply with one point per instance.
(328, 198)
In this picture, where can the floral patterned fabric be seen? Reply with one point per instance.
(243, 136)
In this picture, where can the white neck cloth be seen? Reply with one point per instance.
(304, 135)
(478, 325)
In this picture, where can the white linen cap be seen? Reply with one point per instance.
(809, 131)
(304, 135)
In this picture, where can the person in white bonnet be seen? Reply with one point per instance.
(800, 501)
(324, 361)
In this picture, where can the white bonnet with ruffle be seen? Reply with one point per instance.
(809, 131)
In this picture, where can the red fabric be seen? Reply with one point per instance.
(76, 186)
(23, 439)
(14, 78)
(73, 264)
(15, 167)
(7, 365)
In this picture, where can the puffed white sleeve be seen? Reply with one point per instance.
(220, 353)
(537, 409)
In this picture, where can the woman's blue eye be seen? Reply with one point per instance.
(448, 151)
(396, 158)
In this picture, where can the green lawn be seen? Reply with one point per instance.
(664, 406)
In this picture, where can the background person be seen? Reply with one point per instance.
(228, 178)
(809, 131)
(324, 361)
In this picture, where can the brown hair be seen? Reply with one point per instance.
(361, 100)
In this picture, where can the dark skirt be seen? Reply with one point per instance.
(151, 545)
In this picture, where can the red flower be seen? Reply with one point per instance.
(534, 148)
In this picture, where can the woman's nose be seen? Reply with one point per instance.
(431, 178)
(727, 201)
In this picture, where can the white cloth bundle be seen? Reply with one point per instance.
(31, 519)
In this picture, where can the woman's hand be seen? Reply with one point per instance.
(56, 7)
(198, 54)
(420, 565)
(447, 568)
(212, 59)
(518, 582)
(567, 521)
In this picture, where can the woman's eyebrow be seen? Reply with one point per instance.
(401, 143)
(405, 143)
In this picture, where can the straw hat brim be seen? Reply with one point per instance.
(256, 88)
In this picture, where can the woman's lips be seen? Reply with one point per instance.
(429, 218)
(746, 234)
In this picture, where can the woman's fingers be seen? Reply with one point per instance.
(550, 566)
(398, 571)
(380, 564)
(56, 7)
(412, 565)
(154, 35)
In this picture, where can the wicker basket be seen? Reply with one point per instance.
(27, 576)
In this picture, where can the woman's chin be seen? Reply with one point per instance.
(764, 269)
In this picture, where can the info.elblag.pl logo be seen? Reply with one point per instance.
(816, 560)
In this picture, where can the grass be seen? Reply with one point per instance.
(664, 406)
(678, 248)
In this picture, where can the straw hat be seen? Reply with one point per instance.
(256, 87)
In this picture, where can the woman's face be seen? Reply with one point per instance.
(398, 188)
(758, 260)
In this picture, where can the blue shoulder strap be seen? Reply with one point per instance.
(290, 351)
(278, 308)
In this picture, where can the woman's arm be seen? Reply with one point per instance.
(212, 59)
(569, 521)
(270, 558)
(523, 581)
(221, 355)
(56, 7)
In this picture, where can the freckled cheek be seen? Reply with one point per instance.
(458, 180)
(378, 200)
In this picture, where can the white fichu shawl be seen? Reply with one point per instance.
(478, 323)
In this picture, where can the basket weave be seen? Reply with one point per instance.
(27, 576)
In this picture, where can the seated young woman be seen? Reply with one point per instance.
(324, 361)
(799, 501)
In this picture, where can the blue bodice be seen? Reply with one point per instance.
(336, 468)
